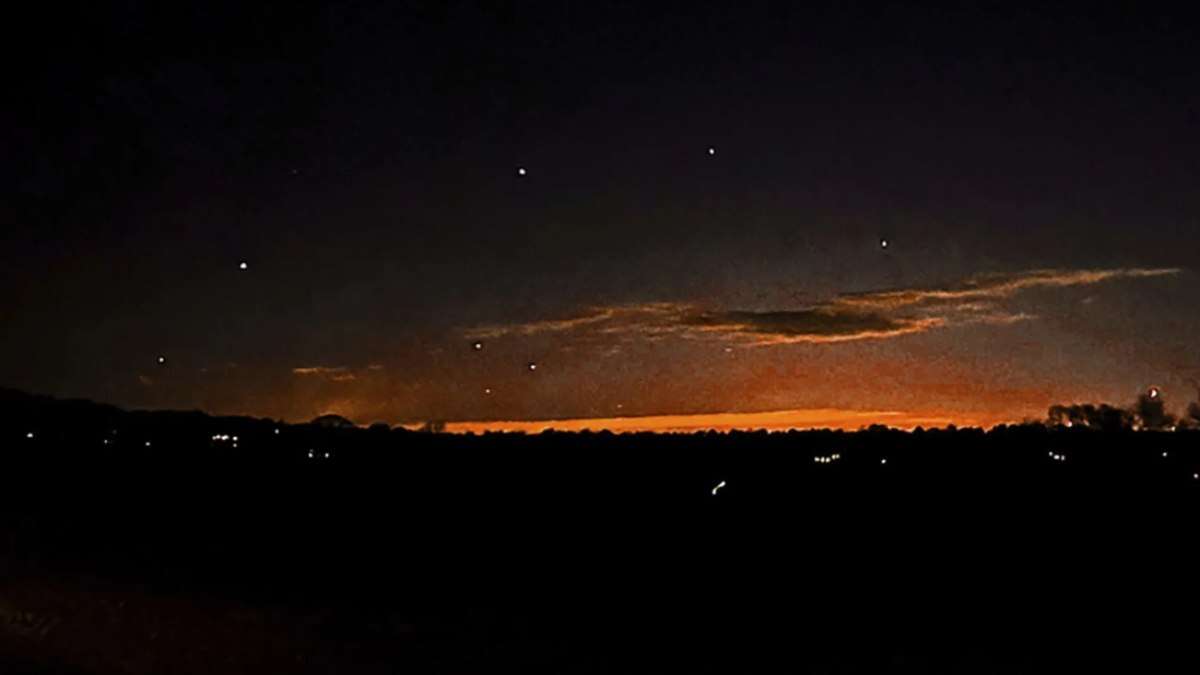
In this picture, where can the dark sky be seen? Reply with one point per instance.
(1034, 172)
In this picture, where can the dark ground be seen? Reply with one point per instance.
(409, 552)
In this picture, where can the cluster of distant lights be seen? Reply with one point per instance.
(225, 438)
(314, 454)
(1057, 457)
(827, 459)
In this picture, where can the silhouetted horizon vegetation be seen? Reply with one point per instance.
(591, 550)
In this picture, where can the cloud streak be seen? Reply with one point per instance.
(849, 317)
(334, 373)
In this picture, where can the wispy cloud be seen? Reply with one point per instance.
(848, 317)
(336, 374)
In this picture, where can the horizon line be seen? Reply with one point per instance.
(798, 419)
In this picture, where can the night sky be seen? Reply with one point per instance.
(870, 213)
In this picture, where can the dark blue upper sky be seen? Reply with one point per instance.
(363, 159)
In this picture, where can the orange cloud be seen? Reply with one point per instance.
(848, 317)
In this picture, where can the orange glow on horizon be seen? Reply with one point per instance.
(778, 420)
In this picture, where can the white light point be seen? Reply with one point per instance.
(883, 243)
(532, 366)
(162, 360)
(718, 487)
(327, 455)
(477, 346)
(883, 460)
(1153, 392)
(29, 435)
(243, 266)
(711, 151)
(521, 171)
(487, 390)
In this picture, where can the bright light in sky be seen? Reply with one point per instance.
(243, 265)
(718, 487)
(521, 171)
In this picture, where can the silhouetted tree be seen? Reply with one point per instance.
(333, 422)
(1151, 412)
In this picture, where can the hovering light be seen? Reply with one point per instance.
(29, 435)
(1164, 453)
(883, 460)
(487, 390)
(1052, 454)
(106, 441)
(532, 366)
(327, 455)
(520, 171)
(277, 432)
(711, 151)
(1153, 392)
(310, 454)
(729, 350)
(147, 444)
(161, 360)
(243, 265)
(883, 243)
(718, 487)
(477, 346)
(1196, 476)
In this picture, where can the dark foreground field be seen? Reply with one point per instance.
(1025, 549)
